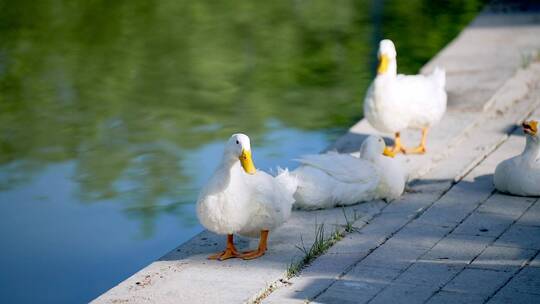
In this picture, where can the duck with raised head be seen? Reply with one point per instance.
(520, 175)
(239, 199)
(396, 102)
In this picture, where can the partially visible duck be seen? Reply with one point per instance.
(333, 179)
(520, 175)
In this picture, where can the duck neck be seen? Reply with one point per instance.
(531, 153)
(391, 70)
(228, 161)
(367, 155)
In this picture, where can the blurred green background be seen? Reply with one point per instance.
(114, 113)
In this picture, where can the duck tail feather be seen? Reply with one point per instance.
(439, 74)
(287, 180)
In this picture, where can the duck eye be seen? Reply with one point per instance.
(237, 142)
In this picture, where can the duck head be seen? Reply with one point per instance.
(531, 129)
(239, 148)
(373, 146)
(387, 58)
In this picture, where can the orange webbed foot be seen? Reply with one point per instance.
(229, 252)
(253, 254)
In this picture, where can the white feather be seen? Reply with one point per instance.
(340, 166)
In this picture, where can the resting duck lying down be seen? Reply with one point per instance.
(395, 102)
(520, 175)
(333, 179)
(240, 199)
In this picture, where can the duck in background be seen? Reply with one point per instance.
(520, 175)
(333, 179)
(239, 199)
(396, 102)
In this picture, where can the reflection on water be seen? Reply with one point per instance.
(114, 113)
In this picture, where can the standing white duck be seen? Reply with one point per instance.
(520, 175)
(333, 179)
(240, 199)
(396, 102)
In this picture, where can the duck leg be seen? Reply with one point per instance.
(420, 149)
(397, 148)
(229, 252)
(249, 255)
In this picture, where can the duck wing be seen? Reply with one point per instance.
(423, 96)
(343, 167)
(271, 200)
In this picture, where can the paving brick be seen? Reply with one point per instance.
(359, 285)
(380, 229)
(428, 274)
(371, 273)
(421, 235)
(485, 224)
(352, 243)
(362, 241)
(412, 202)
(342, 296)
(370, 208)
(435, 186)
(457, 250)
(502, 258)
(455, 205)
(446, 297)
(532, 216)
(437, 215)
(506, 296)
(395, 257)
(513, 206)
(526, 281)
(535, 262)
(348, 292)
(407, 294)
(299, 290)
(521, 236)
(478, 281)
(329, 265)
(386, 223)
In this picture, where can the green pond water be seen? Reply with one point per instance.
(113, 114)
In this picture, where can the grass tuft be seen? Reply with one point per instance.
(321, 244)
(528, 58)
(349, 223)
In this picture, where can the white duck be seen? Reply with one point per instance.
(332, 179)
(240, 199)
(396, 102)
(520, 175)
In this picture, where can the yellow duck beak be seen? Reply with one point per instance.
(247, 162)
(388, 152)
(383, 64)
(530, 127)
